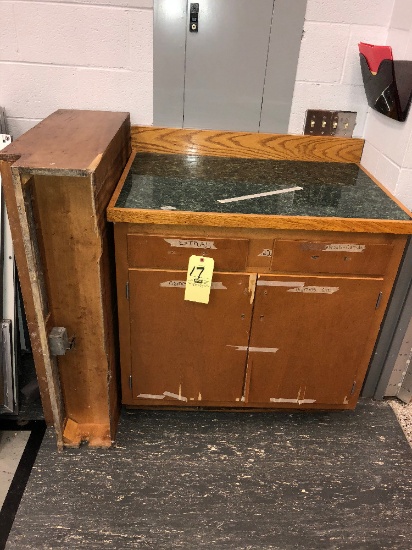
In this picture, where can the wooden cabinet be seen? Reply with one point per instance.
(57, 180)
(307, 252)
(291, 322)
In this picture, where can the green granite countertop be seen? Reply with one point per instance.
(198, 183)
(181, 189)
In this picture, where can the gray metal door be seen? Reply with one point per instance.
(226, 63)
(236, 73)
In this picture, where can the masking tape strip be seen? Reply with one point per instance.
(280, 283)
(315, 289)
(299, 401)
(150, 396)
(251, 348)
(180, 243)
(174, 396)
(344, 248)
(266, 194)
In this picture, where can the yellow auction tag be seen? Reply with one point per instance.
(199, 279)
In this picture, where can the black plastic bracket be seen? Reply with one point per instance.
(389, 91)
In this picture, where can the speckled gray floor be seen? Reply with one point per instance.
(227, 481)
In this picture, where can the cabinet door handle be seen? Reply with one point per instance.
(378, 301)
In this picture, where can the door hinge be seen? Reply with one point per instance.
(353, 388)
(378, 301)
(130, 383)
(127, 290)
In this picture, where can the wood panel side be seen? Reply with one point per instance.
(110, 323)
(29, 276)
(110, 169)
(246, 144)
(74, 254)
(382, 304)
(105, 179)
(122, 280)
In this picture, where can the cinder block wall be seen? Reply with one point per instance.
(328, 75)
(82, 54)
(388, 148)
(98, 54)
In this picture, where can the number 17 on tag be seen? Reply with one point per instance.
(199, 279)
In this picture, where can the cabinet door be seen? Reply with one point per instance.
(308, 338)
(188, 353)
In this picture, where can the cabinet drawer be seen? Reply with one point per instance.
(357, 258)
(174, 252)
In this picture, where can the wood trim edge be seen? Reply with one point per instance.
(246, 144)
(348, 225)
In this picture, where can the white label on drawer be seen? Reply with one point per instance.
(266, 252)
(150, 396)
(256, 195)
(247, 348)
(218, 285)
(344, 248)
(299, 401)
(181, 243)
(280, 283)
(181, 284)
(315, 289)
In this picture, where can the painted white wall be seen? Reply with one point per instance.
(388, 144)
(328, 75)
(82, 54)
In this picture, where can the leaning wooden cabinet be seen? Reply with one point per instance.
(302, 275)
(57, 180)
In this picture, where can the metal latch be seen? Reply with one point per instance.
(194, 18)
(59, 342)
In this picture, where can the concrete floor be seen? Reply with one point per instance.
(338, 480)
(403, 413)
